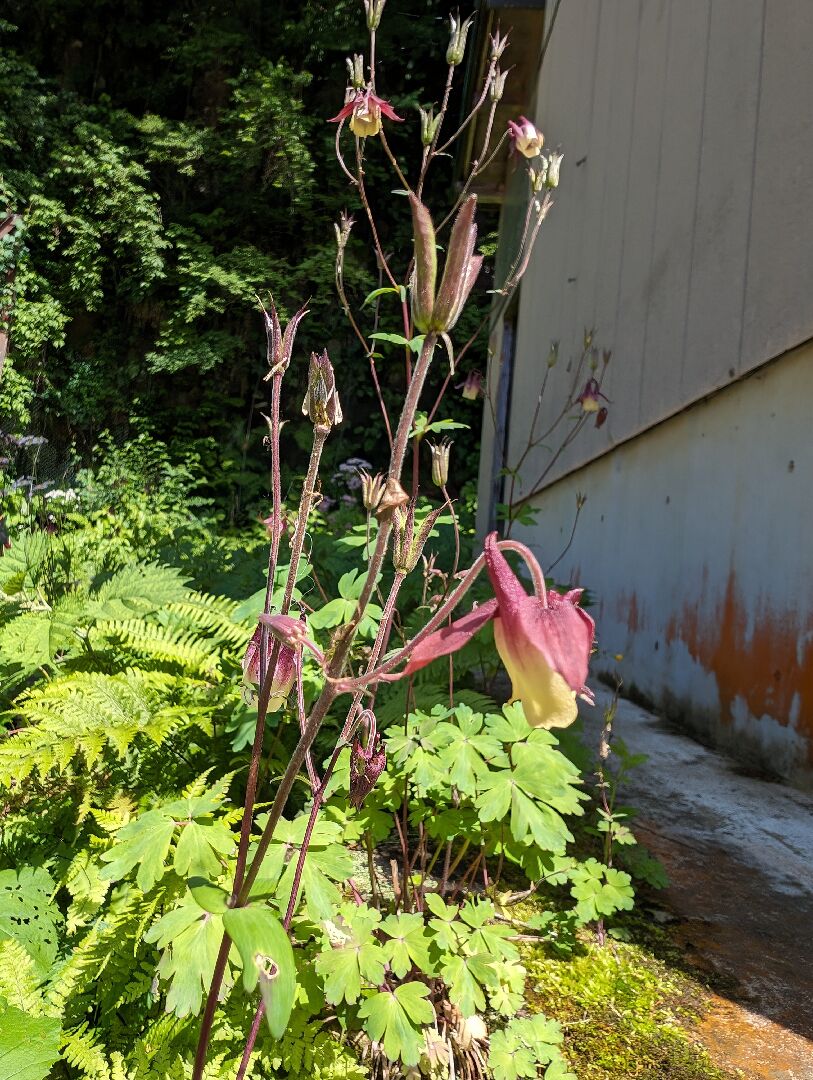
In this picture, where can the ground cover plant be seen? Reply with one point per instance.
(285, 832)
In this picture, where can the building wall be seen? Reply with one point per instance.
(682, 232)
(695, 539)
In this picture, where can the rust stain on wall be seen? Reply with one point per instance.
(767, 668)
(628, 613)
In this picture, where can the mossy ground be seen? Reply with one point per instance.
(627, 1007)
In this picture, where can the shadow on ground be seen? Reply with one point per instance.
(739, 854)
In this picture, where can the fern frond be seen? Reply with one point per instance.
(85, 712)
(19, 983)
(138, 589)
(80, 1048)
(175, 645)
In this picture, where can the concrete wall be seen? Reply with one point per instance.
(682, 231)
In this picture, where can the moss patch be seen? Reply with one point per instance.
(625, 1013)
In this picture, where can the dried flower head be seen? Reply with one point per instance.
(367, 760)
(372, 489)
(392, 498)
(410, 536)
(440, 461)
(321, 402)
(457, 40)
(373, 9)
(280, 345)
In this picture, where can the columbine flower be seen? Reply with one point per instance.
(365, 109)
(589, 397)
(472, 387)
(528, 140)
(543, 640)
(282, 680)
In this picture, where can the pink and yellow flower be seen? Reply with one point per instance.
(544, 640)
(365, 109)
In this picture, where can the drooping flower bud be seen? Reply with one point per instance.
(367, 761)
(552, 171)
(409, 537)
(372, 489)
(373, 10)
(282, 680)
(527, 139)
(440, 462)
(426, 265)
(601, 416)
(429, 125)
(461, 270)
(321, 402)
(457, 41)
(355, 71)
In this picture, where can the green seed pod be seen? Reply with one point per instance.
(426, 265)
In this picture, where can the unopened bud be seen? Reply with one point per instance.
(440, 462)
(391, 500)
(457, 42)
(552, 171)
(373, 10)
(372, 488)
(409, 537)
(282, 680)
(355, 71)
(537, 178)
(553, 354)
(497, 88)
(321, 402)
(429, 125)
(588, 338)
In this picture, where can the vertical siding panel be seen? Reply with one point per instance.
(624, 379)
(724, 196)
(778, 299)
(666, 287)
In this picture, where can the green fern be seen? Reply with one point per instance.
(85, 713)
(151, 643)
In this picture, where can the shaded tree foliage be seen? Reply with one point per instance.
(170, 161)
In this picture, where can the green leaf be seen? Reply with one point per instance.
(385, 291)
(394, 1018)
(28, 915)
(393, 339)
(465, 976)
(29, 1045)
(208, 896)
(408, 944)
(196, 847)
(355, 957)
(267, 957)
(190, 939)
(144, 843)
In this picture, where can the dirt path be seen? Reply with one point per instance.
(739, 854)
